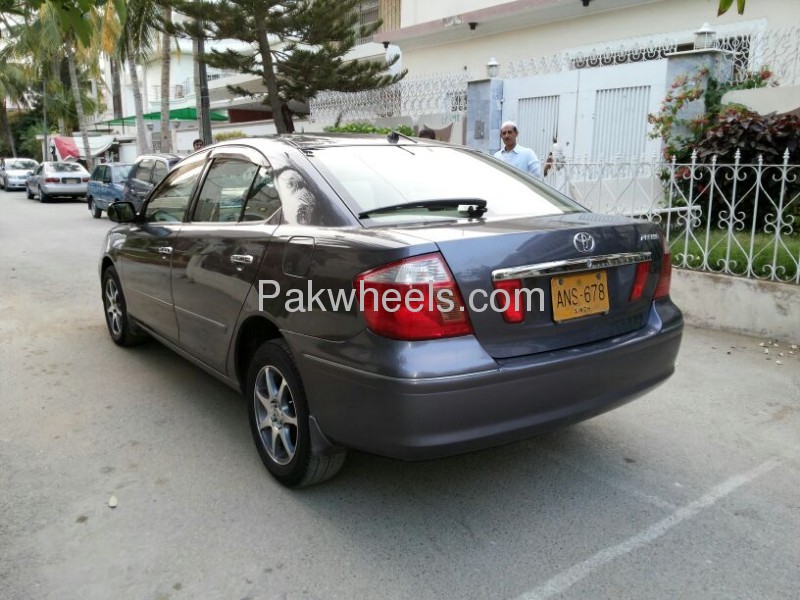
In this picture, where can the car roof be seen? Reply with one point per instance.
(304, 141)
(165, 155)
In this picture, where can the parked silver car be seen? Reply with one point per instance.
(57, 180)
(363, 293)
(14, 172)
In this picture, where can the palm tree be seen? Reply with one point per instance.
(166, 50)
(108, 24)
(46, 41)
(136, 43)
(13, 86)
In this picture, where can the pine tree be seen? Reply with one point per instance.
(298, 47)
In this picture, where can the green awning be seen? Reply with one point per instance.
(177, 114)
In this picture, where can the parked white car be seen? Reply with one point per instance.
(57, 180)
(14, 172)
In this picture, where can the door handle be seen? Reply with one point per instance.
(165, 251)
(242, 259)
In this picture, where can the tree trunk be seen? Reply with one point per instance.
(7, 127)
(142, 143)
(198, 101)
(166, 134)
(76, 93)
(116, 87)
(275, 101)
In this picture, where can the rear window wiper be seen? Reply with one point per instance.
(476, 207)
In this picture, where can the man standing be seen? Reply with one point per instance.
(517, 156)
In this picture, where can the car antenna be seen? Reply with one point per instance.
(394, 137)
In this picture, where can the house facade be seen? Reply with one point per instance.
(584, 71)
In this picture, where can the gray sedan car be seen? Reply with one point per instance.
(57, 180)
(14, 172)
(397, 296)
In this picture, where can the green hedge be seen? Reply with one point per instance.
(369, 128)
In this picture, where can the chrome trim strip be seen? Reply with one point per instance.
(571, 266)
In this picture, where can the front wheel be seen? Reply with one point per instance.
(122, 330)
(279, 419)
(28, 192)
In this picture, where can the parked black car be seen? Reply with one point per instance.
(362, 292)
(147, 171)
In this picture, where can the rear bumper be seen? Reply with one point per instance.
(65, 191)
(415, 418)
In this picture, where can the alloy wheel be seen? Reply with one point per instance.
(275, 414)
(113, 309)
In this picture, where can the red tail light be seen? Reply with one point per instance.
(664, 276)
(85, 180)
(52, 180)
(413, 299)
(513, 312)
(640, 280)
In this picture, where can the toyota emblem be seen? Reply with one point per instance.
(583, 242)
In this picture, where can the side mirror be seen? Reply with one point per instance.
(121, 212)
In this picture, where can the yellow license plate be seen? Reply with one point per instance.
(579, 295)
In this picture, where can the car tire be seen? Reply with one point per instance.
(2, 184)
(43, 198)
(121, 327)
(28, 193)
(279, 422)
(96, 212)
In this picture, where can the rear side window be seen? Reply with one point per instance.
(144, 169)
(224, 191)
(263, 200)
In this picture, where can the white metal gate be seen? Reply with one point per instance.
(598, 113)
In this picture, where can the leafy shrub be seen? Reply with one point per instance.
(753, 135)
(368, 128)
(722, 131)
(229, 135)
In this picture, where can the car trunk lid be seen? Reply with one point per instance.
(576, 273)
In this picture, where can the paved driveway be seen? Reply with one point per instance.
(689, 492)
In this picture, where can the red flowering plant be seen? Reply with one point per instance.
(681, 135)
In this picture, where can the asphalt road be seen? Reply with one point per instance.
(689, 492)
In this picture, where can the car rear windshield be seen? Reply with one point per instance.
(371, 177)
(65, 166)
